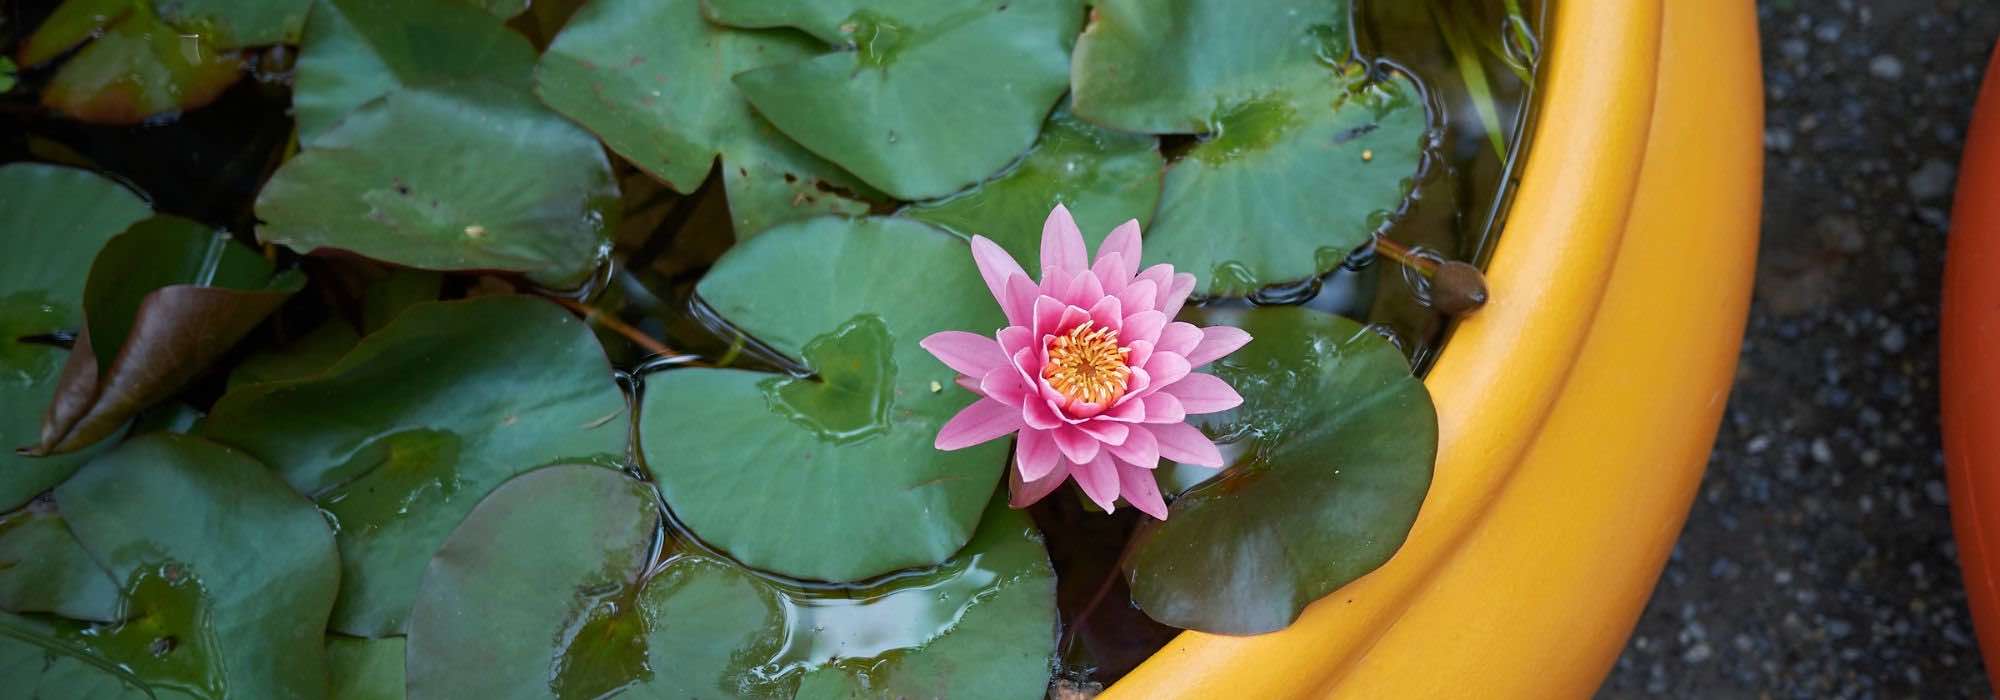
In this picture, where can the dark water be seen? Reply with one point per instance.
(208, 165)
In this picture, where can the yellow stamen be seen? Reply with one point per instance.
(1087, 365)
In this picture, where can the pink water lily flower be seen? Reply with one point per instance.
(1091, 371)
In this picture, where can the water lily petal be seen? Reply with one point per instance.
(1110, 273)
(1022, 493)
(1179, 337)
(1123, 243)
(1072, 316)
(1143, 325)
(1084, 289)
(1204, 393)
(1005, 385)
(1108, 313)
(996, 267)
(966, 353)
(1140, 489)
(1109, 433)
(1035, 454)
(1099, 480)
(1161, 275)
(1216, 342)
(1062, 243)
(1014, 339)
(1164, 408)
(1186, 444)
(1126, 411)
(1077, 445)
(1041, 416)
(1177, 294)
(1165, 369)
(1138, 352)
(984, 420)
(1142, 294)
(1140, 449)
(1021, 295)
(1048, 313)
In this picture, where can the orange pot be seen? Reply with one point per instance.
(1576, 411)
(1969, 387)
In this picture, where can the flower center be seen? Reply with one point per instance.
(1087, 365)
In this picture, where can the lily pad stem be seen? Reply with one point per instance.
(597, 317)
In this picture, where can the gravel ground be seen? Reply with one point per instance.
(1818, 560)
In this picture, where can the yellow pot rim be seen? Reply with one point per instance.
(1643, 177)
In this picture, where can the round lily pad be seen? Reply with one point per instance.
(1304, 154)
(228, 575)
(37, 664)
(925, 97)
(433, 178)
(52, 221)
(652, 79)
(400, 438)
(1102, 176)
(355, 51)
(1322, 490)
(829, 475)
(558, 585)
(364, 669)
(44, 569)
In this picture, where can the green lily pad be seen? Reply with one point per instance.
(1104, 177)
(37, 664)
(652, 79)
(830, 477)
(68, 26)
(228, 575)
(1169, 66)
(1322, 491)
(355, 51)
(365, 669)
(1289, 187)
(235, 24)
(927, 97)
(433, 179)
(52, 221)
(1304, 157)
(165, 299)
(556, 585)
(139, 68)
(44, 569)
(400, 438)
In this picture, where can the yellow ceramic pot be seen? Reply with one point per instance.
(1576, 411)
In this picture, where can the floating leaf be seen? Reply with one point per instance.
(555, 585)
(44, 569)
(1304, 156)
(164, 300)
(365, 669)
(137, 69)
(228, 575)
(68, 26)
(400, 438)
(434, 179)
(830, 476)
(38, 664)
(1104, 177)
(928, 97)
(1322, 490)
(652, 79)
(235, 24)
(355, 51)
(52, 221)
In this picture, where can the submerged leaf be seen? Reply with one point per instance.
(652, 79)
(52, 221)
(228, 575)
(167, 298)
(1332, 454)
(137, 69)
(832, 476)
(930, 96)
(556, 585)
(435, 179)
(401, 437)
